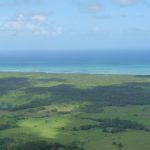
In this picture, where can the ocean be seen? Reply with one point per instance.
(87, 62)
(83, 69)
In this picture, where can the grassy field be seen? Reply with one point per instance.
(40, 111)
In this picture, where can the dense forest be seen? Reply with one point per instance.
(114, 95)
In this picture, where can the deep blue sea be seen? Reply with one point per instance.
(131, 63)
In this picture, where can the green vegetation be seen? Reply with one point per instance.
(116, 125)
(40, 111)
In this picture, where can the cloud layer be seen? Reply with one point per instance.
(30, 24)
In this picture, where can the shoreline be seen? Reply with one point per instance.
(101, 69)
(71, 73)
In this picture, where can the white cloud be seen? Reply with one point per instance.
(33, 24)
(39, 18)
(125, 2)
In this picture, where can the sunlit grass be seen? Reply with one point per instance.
(46, 128)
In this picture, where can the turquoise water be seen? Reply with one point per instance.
(90, 69)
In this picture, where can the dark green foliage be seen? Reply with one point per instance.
(120, 146)
(114, 143)
(43, 145)
(115, 95)
(6, 143)
(88, 127)
(10, 123)
(6, 126)
(74, 146)
(40, 145)
(115, 125)
(54, 110)
(118, 125)
(51, 80)
(105, 130)
(12, 83)
(93, 108)
(34, 104)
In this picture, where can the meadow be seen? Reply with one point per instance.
(41, 111)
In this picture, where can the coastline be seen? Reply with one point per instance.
(60, 73)
(101, 69)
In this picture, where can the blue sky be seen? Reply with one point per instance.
(36, 25)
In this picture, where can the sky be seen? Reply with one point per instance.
(72, 25)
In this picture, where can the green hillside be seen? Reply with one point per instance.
(40, 111)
